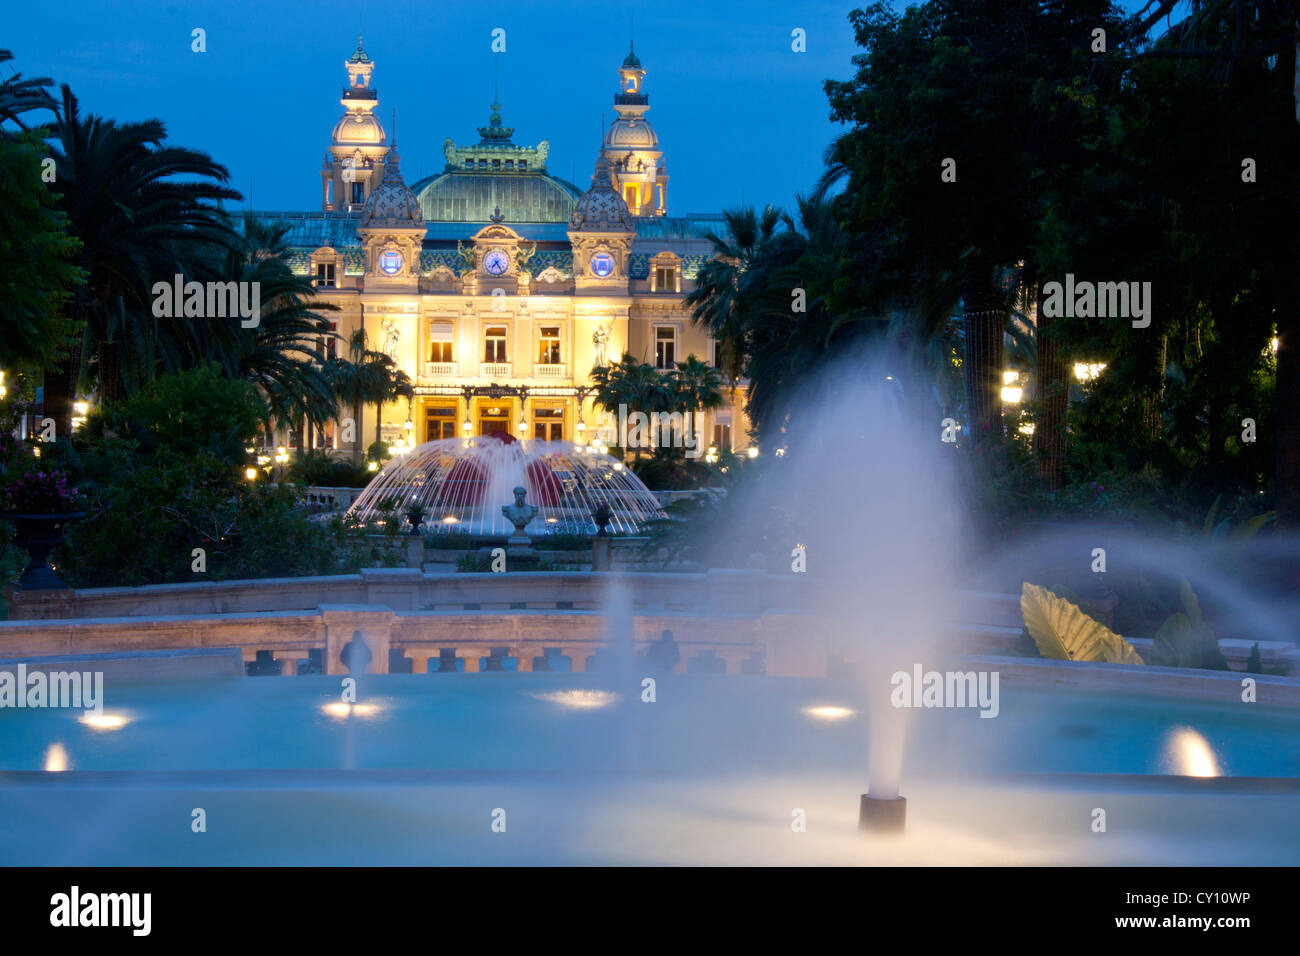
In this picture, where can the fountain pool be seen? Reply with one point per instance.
(722, 769)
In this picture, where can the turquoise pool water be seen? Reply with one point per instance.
(571, 723)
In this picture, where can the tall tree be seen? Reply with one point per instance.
(140, 219)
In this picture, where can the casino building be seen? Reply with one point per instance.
(497, 285)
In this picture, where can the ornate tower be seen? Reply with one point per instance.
(354, 163)
(632, 147)
(392, 232)
(601, 234)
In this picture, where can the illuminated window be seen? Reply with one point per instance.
(630, 197)
(722, 437)
(494, 344)
(325, 275)
(440, 342)
(548, 424)
(665, 279)
(548, 345)
(665, 347)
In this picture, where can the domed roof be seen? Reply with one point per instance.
(633, 133)
(392, 202)
(356, 128)
(631, 59)
(472, 196)
(601, 209)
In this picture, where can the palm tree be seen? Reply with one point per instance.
(140, 219)
(698, 386)
(637, 386)
(37, 274)
(722, 290)
(365, 377)
(19, 96)
(279, 354)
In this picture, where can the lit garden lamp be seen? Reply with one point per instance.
(1011, 390)
(372, 466)
(250, 474)
(4, 391)
(752, 451)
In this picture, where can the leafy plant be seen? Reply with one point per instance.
(1062, 631)
(1185, 640)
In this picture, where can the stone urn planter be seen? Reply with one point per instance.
(39, 534)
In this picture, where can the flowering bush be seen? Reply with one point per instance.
(41, 492)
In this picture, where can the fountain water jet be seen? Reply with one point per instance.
(461, 484)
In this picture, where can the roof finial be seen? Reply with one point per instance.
(495, 98)
(394, 127)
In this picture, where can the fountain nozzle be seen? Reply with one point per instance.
(882, 815)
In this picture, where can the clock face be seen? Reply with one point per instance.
(602, 264)
(496, 262)
(390, 262)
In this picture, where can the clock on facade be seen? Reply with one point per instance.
(602, 264)
(496, 262)
(390, 262)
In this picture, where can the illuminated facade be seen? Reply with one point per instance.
(497, 286)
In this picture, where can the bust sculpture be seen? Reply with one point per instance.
(519, 514)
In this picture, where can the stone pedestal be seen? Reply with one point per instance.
(415, 551)
(520, 554)
(39, 604)
(601, 554)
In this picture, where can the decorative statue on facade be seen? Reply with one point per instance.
(524, 254)
(392, 337)
(600, 338)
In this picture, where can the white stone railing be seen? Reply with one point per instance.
(549, 370)
(439, 369)
(331, 499)
(495, 370)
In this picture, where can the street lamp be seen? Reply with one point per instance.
(752, 452)
(1011, 391)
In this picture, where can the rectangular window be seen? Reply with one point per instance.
(494, 344)
(324, 436)
(630, 197)
(548, 345)
(440, 422)
(548, 424)
(325, 275)
(722, 437)
(440, 342)
(665, 279)
(665, 347)
(358, 193)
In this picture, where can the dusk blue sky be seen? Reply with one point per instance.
(737, 112)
